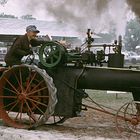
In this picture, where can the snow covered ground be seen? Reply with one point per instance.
(7, 133)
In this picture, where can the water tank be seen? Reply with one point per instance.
(116, 60)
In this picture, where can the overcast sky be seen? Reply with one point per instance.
(20, 7)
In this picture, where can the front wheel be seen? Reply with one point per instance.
(27, 96)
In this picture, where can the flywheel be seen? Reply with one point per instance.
(51, 53)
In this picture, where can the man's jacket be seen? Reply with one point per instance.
(21, 47)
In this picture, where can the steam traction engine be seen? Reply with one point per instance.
(52, 91)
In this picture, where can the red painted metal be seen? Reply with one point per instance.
(23, 106)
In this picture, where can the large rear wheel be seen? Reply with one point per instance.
(27, 96)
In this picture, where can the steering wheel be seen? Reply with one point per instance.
(51, 53)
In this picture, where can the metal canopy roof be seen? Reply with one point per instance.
(9, 26)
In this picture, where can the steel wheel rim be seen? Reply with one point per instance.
(125, 120)
(134, 124)
(27, 98)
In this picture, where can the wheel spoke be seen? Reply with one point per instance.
(21, 110)
(56, 51)
(37, 90)
(30, 121)
(19, 113)
(37, 107)
(31, 114)
(55, 56)
(28, 106)
(30, 81)
(18, 81)
(13, 106)
(17, 92)
(10, 104)
(39, 96)
(37, 102)
(10, 90)
(37, 85)
(14, 97)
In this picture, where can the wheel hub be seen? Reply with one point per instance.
(22, 97)
(134, 121)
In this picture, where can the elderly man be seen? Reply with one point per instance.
(22, 46)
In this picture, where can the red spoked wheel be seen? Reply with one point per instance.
(27, 96)
(128, 119)
(132, 116)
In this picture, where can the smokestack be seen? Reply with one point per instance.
(135, 6)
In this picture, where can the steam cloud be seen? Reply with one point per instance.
(135, 6)
(99, 15)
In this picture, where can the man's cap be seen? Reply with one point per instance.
(32, 28)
